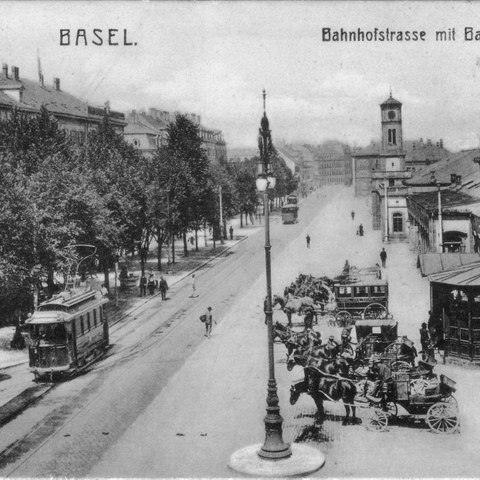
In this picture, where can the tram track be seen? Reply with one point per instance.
(165, 346)
(50, 429)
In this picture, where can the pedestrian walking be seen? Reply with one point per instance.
(353, 215)
(426, 342)
(104, 290)
(360, 230)
(143, 285)
(193, 285)
(208, 322)
(151, 283)
(383, 257)
(163, 288)
(231, 232)
(308, 240)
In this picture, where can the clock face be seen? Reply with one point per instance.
(391, 114)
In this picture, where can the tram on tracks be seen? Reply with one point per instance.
(67, 333)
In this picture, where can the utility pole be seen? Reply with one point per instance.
(440, 219)
(221, 215)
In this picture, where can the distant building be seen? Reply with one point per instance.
(148, 131)
(381, 172)
(74, 116)
(334, 164)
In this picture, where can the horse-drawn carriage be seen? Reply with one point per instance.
(418, 395)
(360, 294)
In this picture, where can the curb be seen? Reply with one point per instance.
(129, 312)
(21, 401)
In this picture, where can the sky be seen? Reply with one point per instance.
(215, 58)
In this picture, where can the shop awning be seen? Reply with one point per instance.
(466, 275)
(430, 263)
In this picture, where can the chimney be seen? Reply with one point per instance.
(5, 70)
(14, 72)
(199, 119)
(441, 143)
(56, 84)
(134, 116)
(152, 112)
(438, 144)
(458, 180)
(429, 142)
(453, 178)
(421, 140)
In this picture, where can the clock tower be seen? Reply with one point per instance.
(392, 139)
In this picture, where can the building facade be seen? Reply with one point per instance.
(148, 131)
(334, 164)
(75, 117)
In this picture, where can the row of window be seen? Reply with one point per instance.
(85, 323)
(362, 291)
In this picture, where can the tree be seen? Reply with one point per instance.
(183, 175)
(117, 172)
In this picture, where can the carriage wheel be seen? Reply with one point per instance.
(374, 310)
(378, 420)
(343, 318)
(442, 417)
(401, 366)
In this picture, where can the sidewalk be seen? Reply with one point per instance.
(14, 381)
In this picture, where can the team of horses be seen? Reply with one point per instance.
(331, 369)
(326, 367)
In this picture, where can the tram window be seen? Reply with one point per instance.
(95, 317)
(361, 292)
(59, 332)
(379, 289)
(88, 321)
(82, 328)
(345, 291)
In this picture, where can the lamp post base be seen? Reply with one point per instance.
(304, 460)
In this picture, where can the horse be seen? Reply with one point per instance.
(292, 304)
(311, 355)
(323, 387)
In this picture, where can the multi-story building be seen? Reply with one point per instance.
(75, 116)
(334, 164)
(148, 131)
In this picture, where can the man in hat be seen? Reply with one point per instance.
(208, 322)
(308, 319)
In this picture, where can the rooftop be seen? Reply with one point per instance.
(32, 95)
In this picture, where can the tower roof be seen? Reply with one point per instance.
(390, 102)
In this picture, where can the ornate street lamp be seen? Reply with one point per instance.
(274, 447)
(274, 458)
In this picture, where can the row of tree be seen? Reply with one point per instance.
(60, 202)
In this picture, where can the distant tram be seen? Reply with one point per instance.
(290, 210)
(67, 333)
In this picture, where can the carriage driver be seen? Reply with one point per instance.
(308, 319)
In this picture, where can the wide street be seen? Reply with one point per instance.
(168, 402)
